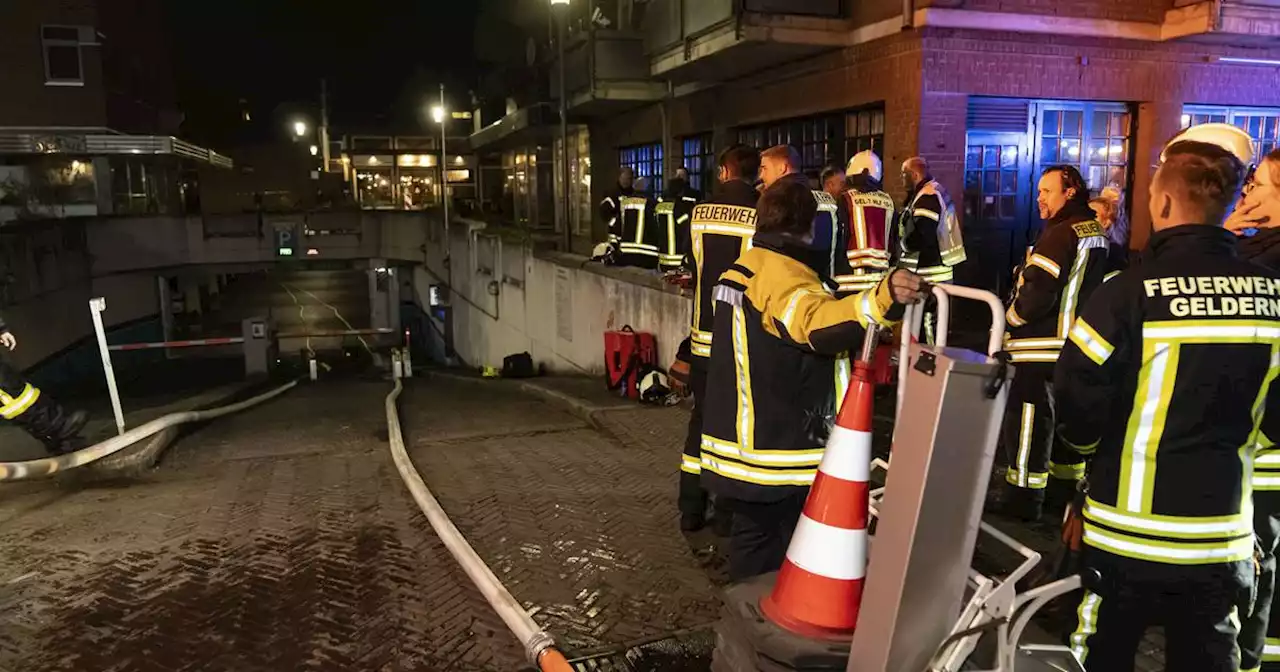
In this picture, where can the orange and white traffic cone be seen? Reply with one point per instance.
(819, 588)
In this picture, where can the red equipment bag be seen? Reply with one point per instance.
(627, 354)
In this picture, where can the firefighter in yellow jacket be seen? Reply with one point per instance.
(28, 407)
(771, 386)
(1168, 380)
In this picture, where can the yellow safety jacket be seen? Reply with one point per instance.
(777, 370)
(1168, 383)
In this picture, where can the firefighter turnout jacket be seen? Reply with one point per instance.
(862, 254)
(929, 234)
(672, 216)
(1168, 380)
(772, 383)
(720, 231)
(611, 211)
(639, 245)
(1064, 268)
(826, 233)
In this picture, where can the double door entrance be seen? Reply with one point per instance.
(1009, 143)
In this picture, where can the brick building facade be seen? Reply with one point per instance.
(990, 91)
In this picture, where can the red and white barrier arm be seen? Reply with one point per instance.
(194, 343)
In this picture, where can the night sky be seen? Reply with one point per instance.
(380, 57)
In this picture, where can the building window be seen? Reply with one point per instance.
(823, 140)
(580, 210)
(63, 65)
(699, 158)
(863, 130)
(1262, 124)
(646, 162)
(1092, 137)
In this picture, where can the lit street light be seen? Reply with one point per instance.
(314, 150)
(299, 128)
(437, 114)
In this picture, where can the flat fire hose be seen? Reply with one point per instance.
(18, 471)
(538, 645)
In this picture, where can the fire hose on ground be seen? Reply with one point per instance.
(538, 644)
(17, 471)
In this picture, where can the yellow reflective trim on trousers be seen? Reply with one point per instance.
(1032, 480)
(1086, 625)
(1019, 473)
(15, 406)
(1066, 472)
(763, 458)
(1146, 426)
(1271, 650)
(742, 365)
(690, 465)
(1168, 552)
(739, 472)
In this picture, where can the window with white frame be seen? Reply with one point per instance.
(1261, 123)
(63, 64)
(646, 162)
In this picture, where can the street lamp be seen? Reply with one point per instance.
(314, 150)
(438, 115)
(563, 6)
(300, 128)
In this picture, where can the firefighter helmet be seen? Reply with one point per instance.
(605, 253)
(866, 162)
(1231, 138)
(654, 387)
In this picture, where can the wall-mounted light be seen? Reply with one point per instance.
(314, 150)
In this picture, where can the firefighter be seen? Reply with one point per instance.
(782, 162)
(833, 182)
(611, 205)
(770, 401)
(720, 231)
(682, 173)
(640, 242)
(1168, 381)
(671, 215)
(28, 407)
(1069, 262)
(862, 256)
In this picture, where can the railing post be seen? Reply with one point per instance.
(96, 306)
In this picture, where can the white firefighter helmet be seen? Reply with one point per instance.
(867, 162)
(605, 253)
(654, 386)
(1231, 138)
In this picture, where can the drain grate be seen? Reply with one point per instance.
(688, 651)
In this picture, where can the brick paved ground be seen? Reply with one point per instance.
(581, 528)
(279, 539)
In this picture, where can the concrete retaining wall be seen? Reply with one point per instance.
(509, 298)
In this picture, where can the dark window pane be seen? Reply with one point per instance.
(1009, 156)
(1101, 122)
(1009, 182)
(972, 181)
(1071, 122)
(1049, 151)
(991, 156)
(990, 181)
(1052, 123)
(63, 63)
(1069, 150)
(1099, 151)
(1008, 207)
(1120, 124)
(973, 156)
